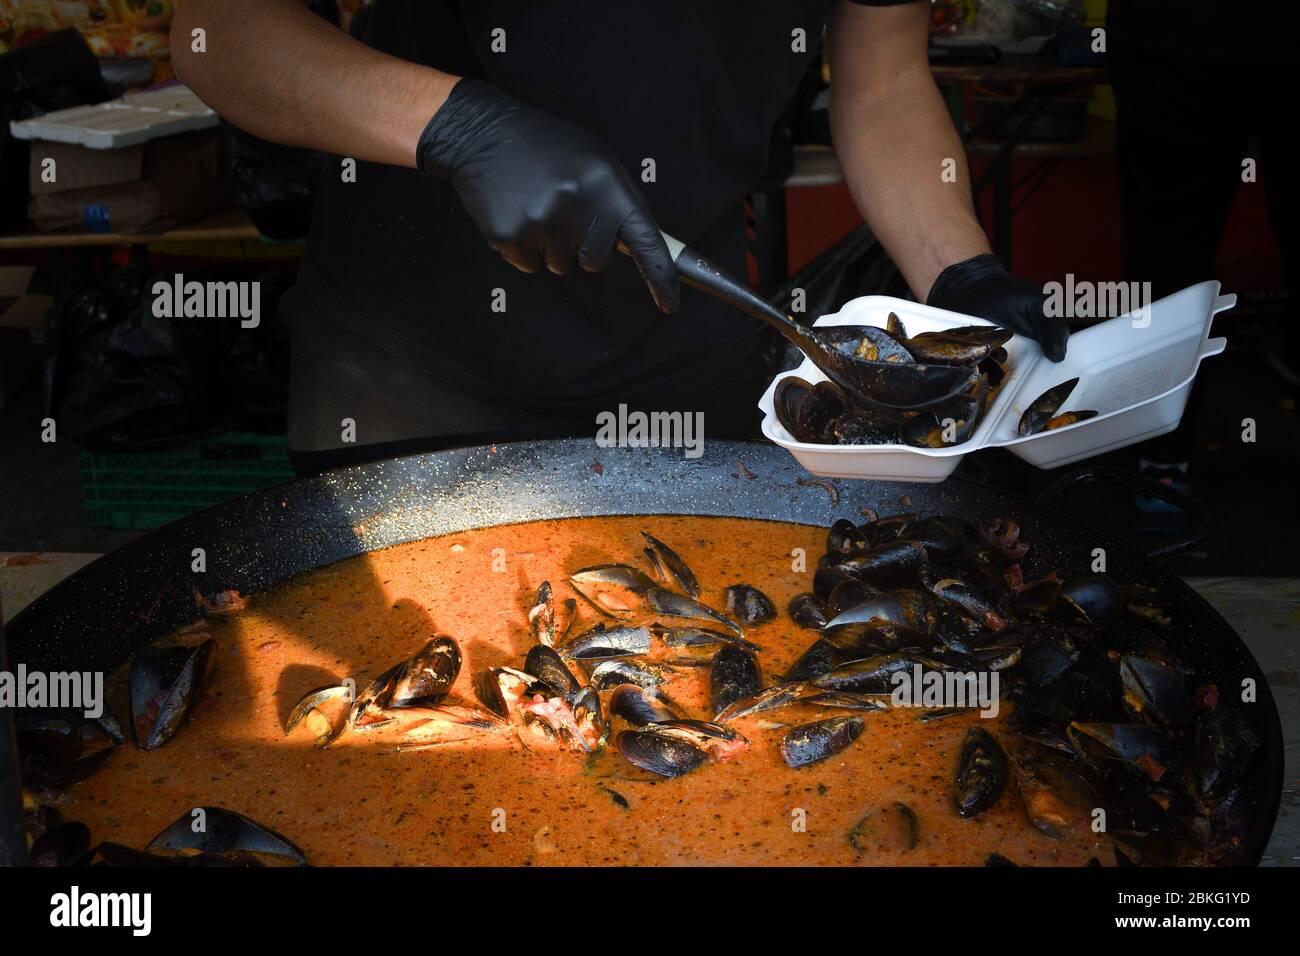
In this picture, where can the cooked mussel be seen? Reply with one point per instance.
(966, 345)
(217, 832)
(734, 675)
(809, 743)
(946, 425)
(166, 683)
(670, 566)
(748, 605)
(807, 610)
(1044, 408)
(981, 773)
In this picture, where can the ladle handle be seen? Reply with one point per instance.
(703, 274)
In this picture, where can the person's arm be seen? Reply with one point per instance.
(892, 135)
(544, 192)
(275, 69)
(895, 140)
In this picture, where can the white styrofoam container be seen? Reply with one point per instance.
(126, 121)
(1135, 371)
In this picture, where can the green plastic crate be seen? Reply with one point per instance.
(141, 490)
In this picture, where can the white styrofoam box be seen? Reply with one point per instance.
(892, 462)
(126, 121)
(1135, 370)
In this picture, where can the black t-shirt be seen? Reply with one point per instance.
(694, 86)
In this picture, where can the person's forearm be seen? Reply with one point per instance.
(275, 69)
(892, 145)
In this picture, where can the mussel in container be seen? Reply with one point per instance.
(1058, 799)
(945, 425)
(601, 642)
(966, 345)
(1044, 408)
(617, 590)
(806, 410)
(1225, 745)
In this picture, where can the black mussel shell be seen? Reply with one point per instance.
(671, 566)
(426, 678)
(868, 342)
(806, 410)
(221, 831)
(809, 743)
(748, 605)
(1044, 408)
(968, 345)
(166, 683)
(548, 667)
(945, 425)
(734, 675)
(666, 756)
(807, 610)
(981, 773)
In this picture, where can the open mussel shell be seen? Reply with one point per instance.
(166, 683)
(805, 410)
(967, 345)
(946, 425)
(617, 590)
(1044, 408)
(1142, 749)
(215, 830)
(1069, 418)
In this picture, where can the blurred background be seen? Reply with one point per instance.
(1130, 143)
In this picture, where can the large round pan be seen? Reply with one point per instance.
(98, 617)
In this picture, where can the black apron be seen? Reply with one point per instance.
(393, 319)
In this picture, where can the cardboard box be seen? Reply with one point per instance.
(78, 167)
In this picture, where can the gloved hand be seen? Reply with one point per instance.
(542, 190)
(982, 286)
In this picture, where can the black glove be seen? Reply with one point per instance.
(982, 286)
(542, 190)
